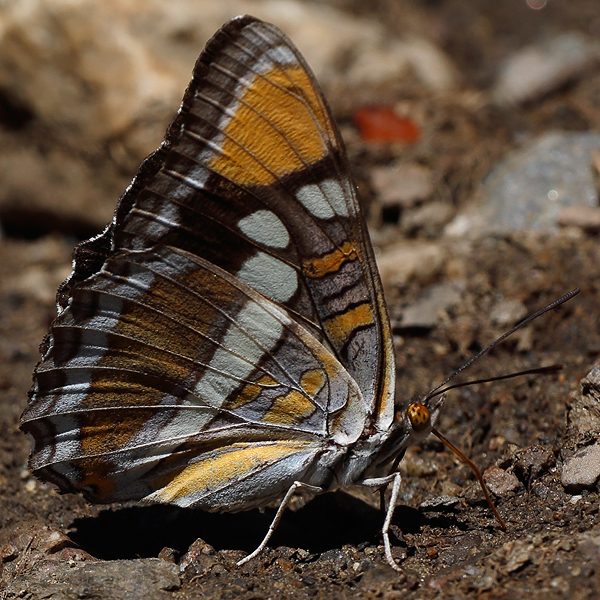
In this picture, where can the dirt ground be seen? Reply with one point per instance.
(446, 538)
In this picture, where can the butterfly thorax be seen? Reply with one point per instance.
(372, 455)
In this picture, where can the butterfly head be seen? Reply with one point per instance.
(422, 414)
(419, 417)
(410, 426)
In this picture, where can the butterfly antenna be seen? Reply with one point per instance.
(437, 390)
(536, 370)
(463, 457)
(440, 389)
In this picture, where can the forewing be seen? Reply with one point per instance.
(253, 177)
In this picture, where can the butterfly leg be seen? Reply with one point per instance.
(284, 503)
(396, 480)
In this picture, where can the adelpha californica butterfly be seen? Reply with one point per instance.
(225, 341)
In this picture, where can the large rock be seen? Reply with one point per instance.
(531, 186)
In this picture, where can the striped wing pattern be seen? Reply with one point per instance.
(230, 323)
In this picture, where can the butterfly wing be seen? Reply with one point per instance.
(233, 301)
(254, 178)
(162, 364)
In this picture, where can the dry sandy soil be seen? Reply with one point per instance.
(446, 538)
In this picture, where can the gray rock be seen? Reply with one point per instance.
(531, 187)
(143, 579)
(541, 68)
(583, 409)
(439, 503)
(425, 313)
(582, 470)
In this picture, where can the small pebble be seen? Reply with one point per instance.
(403, 262)
(582, 470)
(382, 124)
(586, 218)
(426, 312)
(500, 482)
(402, 184)
(439, 503)
(508, 312)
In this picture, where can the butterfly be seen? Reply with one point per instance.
(225, 342)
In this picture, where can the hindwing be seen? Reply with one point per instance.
(162, 357)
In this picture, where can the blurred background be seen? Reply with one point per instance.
(87, 88)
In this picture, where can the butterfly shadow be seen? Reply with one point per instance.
(327, 522)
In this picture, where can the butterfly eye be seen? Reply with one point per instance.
(419, 416)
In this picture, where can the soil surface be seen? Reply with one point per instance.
(445, 536)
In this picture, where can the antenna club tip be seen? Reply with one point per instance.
(419, 416)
